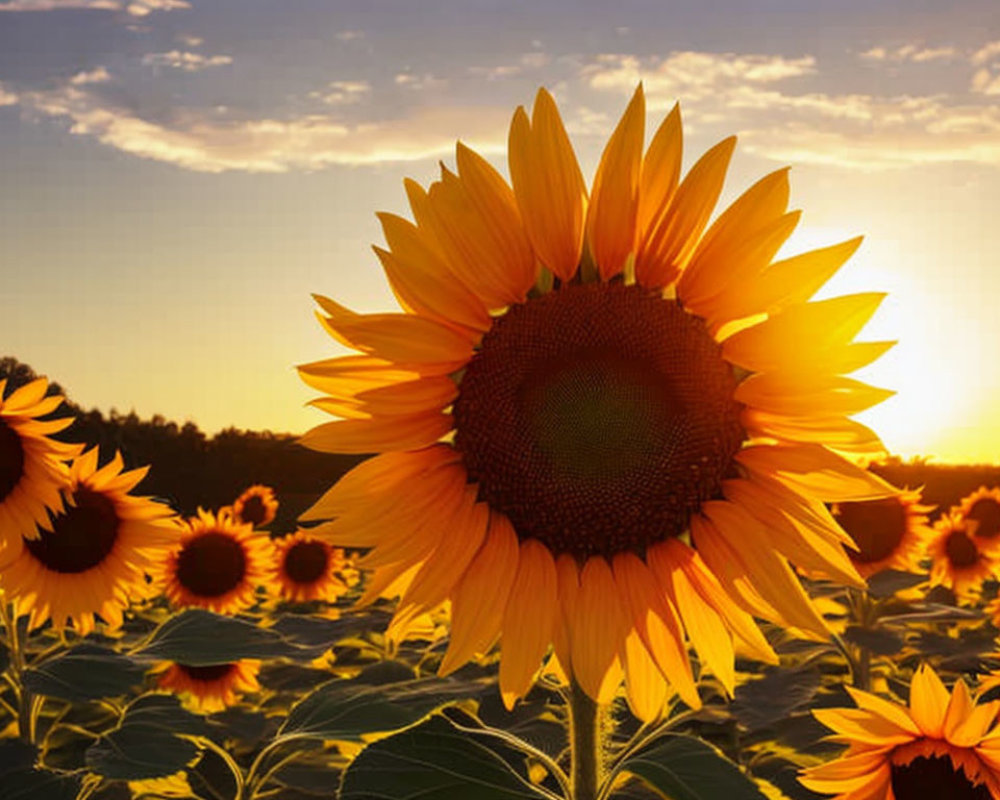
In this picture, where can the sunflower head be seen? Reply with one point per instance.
(599, 420)
(941, 746)
(956, 562)
(981, 513)
(308, 568)
(211, 688)
(33, 469)
(257, 506)
(92, 558)
(888, 533)
(216, 564)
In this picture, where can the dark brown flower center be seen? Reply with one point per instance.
(253, 510)
(985, 511)
(876, 526)
(211, 564)
(81, 538)
(207, 674)
(598, 418)
(306, 562)
(11, 459)
(936, 777)
(961, 549)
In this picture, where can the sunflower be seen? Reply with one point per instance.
(210, 688)
(941, 746)
(93, 558)
(982, 507)
(257, 506)
(217, 564)
(597, 426)
(889, 533)
(956, 562)
(32, 466)
(307, 568)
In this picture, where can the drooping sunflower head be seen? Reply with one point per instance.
(308, 568)
(888, 533)
(600, 420)
(256, 506)
(33, 469)
(941, 746)
(91, 560)
(216, 564)
(210, 688)
(981, 513)
(956, 561)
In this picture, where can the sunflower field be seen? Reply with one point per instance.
(612, 534)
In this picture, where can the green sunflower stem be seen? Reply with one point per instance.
(586, 745)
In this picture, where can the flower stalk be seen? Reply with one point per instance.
(586, 749)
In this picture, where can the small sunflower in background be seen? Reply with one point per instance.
(257, 506)
(889, 533)
(942, 746)
(307, 568)
(210, 688)
(32, 466)
(217, 564)
(956, 562)
(92, 560)
(582, 383)
(981, 513)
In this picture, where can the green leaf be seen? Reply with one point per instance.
(766, 700)
(682, 767)
(21, 780)
(348, 709)
(318, 634)
(880, 641)
(146, 743)
(889, 581)
(86, 672)
(200, 638)
(437, 761)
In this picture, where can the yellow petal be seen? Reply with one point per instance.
(479, 598)
(652, 614)
(970, 732)
(863, 727)
(614, 203)
(928, 701)
(410, 432)
(644, 684)
(838, 433)
(812, 396)
(889, 711)
(661, 171)
(599, 629)
(548, 185)
(664, 251)
(568, 577)
(528, 620)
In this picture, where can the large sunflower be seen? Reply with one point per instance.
(32, 466)
(308, 568)
(257, 506)
(210, 688)
(956, 562)
(598, 426)
(217, 564)
(888, 533)
(940, 747)
(92, 559)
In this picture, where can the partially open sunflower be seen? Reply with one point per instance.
(256, 506)
(307, 568)
(943, 746)
(888, 533)
(217, 564)
(32, 465)
(92, 559)
(599, 423)
(956, 562)
(981, 513)
(210, 688)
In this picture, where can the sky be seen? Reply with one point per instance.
(179, 176)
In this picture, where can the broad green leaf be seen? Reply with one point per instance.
(348, 709)
(146, 743)
(762, 702)
(435, 760)
(86, 672)
(889, 581)
(200, 638)
(880, 641)
(318, 634)
(682, 767)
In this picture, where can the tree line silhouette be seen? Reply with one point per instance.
(189, 469)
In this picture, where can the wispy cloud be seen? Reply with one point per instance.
(857, 130)
(349, 36)
(525, 63)
(917, 53)
(188, 62)
(7, 98)
(343, 93)
(203, 143)
(138, 8)
(97, 75)
(419, 82)
(986, 53)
